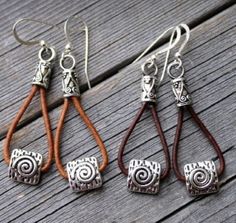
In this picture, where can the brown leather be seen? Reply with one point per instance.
(206, 132)
(156, 120)
(90, 126)
(12, 128)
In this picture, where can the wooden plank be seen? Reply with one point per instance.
(112, 42)
(211, 209)
(211, 78)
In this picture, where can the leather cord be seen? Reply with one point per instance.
(12, 128)
(206, 132)
(89, 125)
(156, 120)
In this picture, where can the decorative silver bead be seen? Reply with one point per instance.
(70, 84)
(25, 166)
(144, 176)
(148, 89)
(181, 93)
(148, 83)
(84, 174)
(43, 70)
(201, 178)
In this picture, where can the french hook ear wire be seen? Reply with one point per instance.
(187, 36)
(68, 47)
(33, 42)
(175, 35)
(174, 29)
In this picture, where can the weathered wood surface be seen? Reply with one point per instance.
(117, 35)
(209, 60)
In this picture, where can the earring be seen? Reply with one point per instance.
(83, 174)
(26, 166)
(200, 177)
(144, 176)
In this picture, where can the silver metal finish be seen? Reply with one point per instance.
(25, 166)
(179, 86)
(144, 176)
(70, 82)
(26, 42)
(201, 178)
(84, 174)
(148, 83)
(68, 47)
(44, 67)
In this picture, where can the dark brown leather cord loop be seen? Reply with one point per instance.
(121, 165)
(89, 125)
(156, 120)
(160, 132)
(6, 147)
(206, 132)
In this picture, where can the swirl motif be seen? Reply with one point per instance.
(142, 177)
(85, 172)
(25, 165)
(201, 179)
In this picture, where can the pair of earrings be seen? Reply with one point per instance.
(26, 166)
(85, 174)
(144, 176)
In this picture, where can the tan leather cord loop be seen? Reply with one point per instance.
(47, 124)
(57, 139)
(89, 125)
(206, 132)
(12, 128)
(160, 132)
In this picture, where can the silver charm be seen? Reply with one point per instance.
(181, 93)
(70, 83)
(144, 176)
(84, 174)
(201, 178)
(179, 86)
(148, 83)
(25, 166)
(43, 70)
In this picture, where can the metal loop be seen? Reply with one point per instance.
(52, 51)
(150, 67)
(63, 59)
(69, 47)
(26, 42)
(176, 64)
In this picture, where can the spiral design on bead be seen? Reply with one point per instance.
(25, 165)
(201, 178)
(85, 172)
(142, 176)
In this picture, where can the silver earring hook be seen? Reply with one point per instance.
(187, 36)
(175, 35)
(177, 63)
(33, 42)
(69, 47)
(174, 29)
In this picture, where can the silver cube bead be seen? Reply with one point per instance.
(84, 174)
(144, 176)
(201, 178)
(25, 166)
